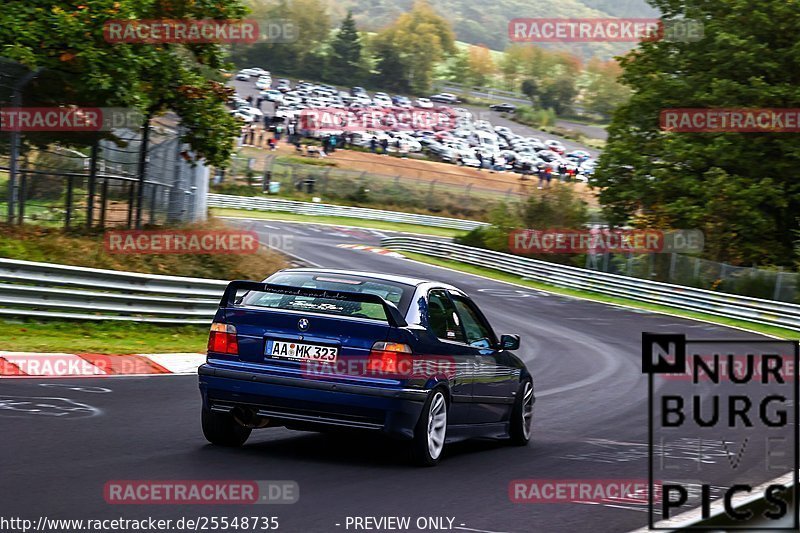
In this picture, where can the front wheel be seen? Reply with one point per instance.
(431, 430)
(222, 429)
(522, 415)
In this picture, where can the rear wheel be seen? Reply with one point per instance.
(431, 430)
(222, 429)
(522, 415)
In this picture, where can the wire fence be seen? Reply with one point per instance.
(287, 179)
(114, 177)
(686, 298)
(690, 271)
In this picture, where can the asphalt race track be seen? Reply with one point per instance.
(590, 421)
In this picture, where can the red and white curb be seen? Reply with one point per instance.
(373, 249)
(31, 364)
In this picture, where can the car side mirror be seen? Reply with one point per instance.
(509, 342)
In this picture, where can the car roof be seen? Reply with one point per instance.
(405, 280)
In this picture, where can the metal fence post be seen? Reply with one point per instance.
(23, 193)
(153, 190)
(92, 185)
(103, 202)
(431, 190)
(143, 158)
(16, 142)
(177, 200)
(131, 201)
(68, 214)
(672, 263)
(778, 279)
(362, 183)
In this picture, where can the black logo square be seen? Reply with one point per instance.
(663, 353)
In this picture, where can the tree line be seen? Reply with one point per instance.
(418, 47)
(741, 189)
(63, 42)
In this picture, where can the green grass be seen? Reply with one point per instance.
(344, 221)
(87, 249)
(100, 337)
(586, 295)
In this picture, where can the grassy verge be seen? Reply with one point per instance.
(502, 276)
(100, 337)
(344, 221)
(545, 121)
(53, 245)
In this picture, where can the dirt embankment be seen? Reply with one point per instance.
(428, 171)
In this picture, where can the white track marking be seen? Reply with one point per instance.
(178, 363)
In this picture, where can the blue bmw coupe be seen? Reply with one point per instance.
(314, 349)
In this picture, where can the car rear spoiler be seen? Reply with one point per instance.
(393, 315)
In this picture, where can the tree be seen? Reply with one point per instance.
(481, 65)
(416, 42)
(530, 88)
(517, 63)
(345, 61)
(558, 93)
(603, 92)
(304, 56)
(559, 208)
(457, 68)
(390, 69)
(741, 189)
(80, 67)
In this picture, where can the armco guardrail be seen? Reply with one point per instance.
(259, 203)
(686, 298)
(44, 290)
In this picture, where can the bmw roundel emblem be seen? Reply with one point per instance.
(302, 324)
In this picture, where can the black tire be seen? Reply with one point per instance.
(420, 448)
(222, 429)
(519, 431)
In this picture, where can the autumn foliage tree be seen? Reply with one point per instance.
(416, 42)
(79, 66)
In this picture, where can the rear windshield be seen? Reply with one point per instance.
(396, 293)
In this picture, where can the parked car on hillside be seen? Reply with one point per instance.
(445, 98)
(503, 108)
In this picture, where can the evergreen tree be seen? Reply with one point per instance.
(345, 61)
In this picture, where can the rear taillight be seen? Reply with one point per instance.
(222, 339)
(390, 358)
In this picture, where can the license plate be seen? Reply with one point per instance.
(301, 352)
